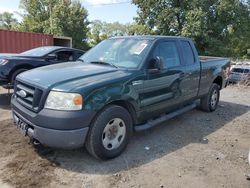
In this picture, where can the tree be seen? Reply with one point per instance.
(57, 17)
(139, 29)
(96, 32)
(102, 30)
(217, 27)
(7, 21)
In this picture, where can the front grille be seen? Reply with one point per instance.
(28, 96)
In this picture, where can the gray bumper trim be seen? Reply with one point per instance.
(64, 139)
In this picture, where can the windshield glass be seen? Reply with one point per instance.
(41, 51)
(121, 52)
(239, 70)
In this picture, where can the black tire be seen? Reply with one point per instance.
(208, 103)
(14, 75)
(94, 143)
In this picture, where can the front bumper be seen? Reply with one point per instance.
(56, 129)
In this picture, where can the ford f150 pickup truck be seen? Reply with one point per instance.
(123, 84)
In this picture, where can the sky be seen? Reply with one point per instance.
(106, 10)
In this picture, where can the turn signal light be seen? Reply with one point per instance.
(78, 100)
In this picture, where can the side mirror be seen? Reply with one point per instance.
(155, 65)
(51, 57)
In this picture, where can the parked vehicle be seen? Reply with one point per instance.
(4, 55)
(124, 84)
(12, 65)
(239, 73)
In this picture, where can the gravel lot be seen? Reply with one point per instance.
(196, 149)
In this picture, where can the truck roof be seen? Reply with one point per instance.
(150, 37)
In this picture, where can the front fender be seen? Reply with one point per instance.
(106, 95)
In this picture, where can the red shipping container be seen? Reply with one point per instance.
(17, 42)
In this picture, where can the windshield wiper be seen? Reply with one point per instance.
(104, 63)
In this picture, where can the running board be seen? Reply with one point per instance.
(152, 123)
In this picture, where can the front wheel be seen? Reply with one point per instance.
(110, 132)
(210, 102)
(15, 74)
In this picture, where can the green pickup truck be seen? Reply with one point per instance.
(123, 84)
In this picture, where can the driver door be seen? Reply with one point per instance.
(162, 90)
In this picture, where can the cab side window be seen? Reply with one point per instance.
(188, 53)
(64, 56)
(169, 53)
(77, 55)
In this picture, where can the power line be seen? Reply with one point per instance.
(107, 4)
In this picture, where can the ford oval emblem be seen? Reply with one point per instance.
(22, 94)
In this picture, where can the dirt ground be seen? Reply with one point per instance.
(196, 149)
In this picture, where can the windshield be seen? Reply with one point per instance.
(120, 52)
(38, 52)
(240, 70)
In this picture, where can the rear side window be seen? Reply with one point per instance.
(246, 71)
(169, 52)
(188, 53)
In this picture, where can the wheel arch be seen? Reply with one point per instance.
(218, 80)
(128, 106)
(22, 66)
(122, 103)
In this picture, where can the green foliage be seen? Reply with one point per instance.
(95, 34)
(102, 30)
(57, 17)
(7, 21)
(139, 29)
(220, 28)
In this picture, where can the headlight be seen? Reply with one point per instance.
(3, 61)
(64, 101)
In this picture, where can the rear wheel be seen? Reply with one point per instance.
(109, 133)
(14, 75)
(209, 102)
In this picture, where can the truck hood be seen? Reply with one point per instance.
(64, 73)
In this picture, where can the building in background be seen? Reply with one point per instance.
(17, 42)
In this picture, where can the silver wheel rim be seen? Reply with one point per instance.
(113, 134)
(214, 98)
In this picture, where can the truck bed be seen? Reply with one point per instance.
(204, 59)
(207, 62)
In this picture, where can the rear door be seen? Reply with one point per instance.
(192, 70)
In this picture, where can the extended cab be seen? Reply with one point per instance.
(122, 85)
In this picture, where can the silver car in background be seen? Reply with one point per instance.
(239, 73)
